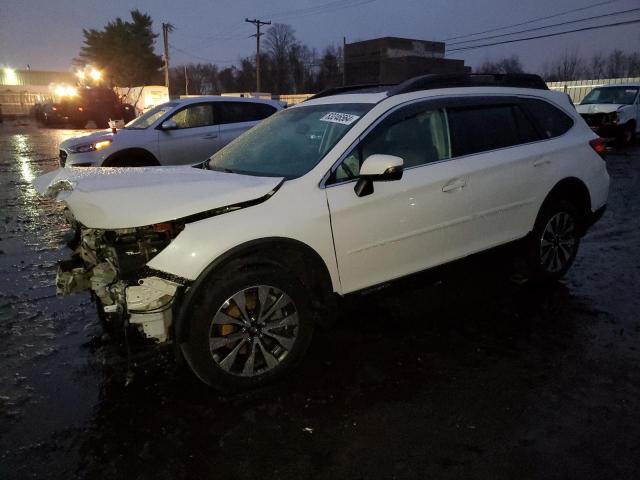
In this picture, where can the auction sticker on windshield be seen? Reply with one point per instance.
(343, 118)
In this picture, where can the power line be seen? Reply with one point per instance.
(504, 27)
(230, 35)
(199, 57)
(225, 36)
(583, 29)
(320, 9)
(569, 22)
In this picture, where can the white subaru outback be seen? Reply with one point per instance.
(236, 259)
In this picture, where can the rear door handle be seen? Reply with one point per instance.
(210, 136)
(454, 185)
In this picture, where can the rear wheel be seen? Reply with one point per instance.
(554, 241)
(248, 327)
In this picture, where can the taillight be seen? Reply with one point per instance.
(599, 146)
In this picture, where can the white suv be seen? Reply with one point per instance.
(180, 132)
(237, 260)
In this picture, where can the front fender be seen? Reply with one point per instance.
(282, 216)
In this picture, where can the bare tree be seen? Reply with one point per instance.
(330, 69)
(227, 79)
(597, 66)
(568, 67)
(616, 64)
(279, 40)
(633, 64)
(245, 79)
(300, 64)
(203, 79)
(510, 64)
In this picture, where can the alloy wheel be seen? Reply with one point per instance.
(253, 331)
(558, 242)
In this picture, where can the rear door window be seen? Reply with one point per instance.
(481, 128)
(551, 121)
(239, 112)
(262, 110)
(526, 129)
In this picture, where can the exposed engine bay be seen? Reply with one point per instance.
(112, 264)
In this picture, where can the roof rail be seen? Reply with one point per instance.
(429, 82)
(361, 88)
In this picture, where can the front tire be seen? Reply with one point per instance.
(554, 242)
(249, 326)
(627, 135)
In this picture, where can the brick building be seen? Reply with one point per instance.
(393, 59)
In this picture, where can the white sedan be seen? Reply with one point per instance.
(180, 132)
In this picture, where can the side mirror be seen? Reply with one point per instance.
(378, 168)
(169, 125)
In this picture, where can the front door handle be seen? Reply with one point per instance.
(541, 161)
(455, 185)
(210, 136)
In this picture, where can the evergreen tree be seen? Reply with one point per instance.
(124, 51)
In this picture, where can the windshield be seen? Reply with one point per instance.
(289, 143)
(619, 95)
(150, 117)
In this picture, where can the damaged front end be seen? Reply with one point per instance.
(112, 264)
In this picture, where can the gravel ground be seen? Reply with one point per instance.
(455, 374)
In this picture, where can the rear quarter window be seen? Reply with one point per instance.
(481, 128)
(552, 122)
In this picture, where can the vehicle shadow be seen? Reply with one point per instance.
(410, 347)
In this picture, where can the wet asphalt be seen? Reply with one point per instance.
(460, 373)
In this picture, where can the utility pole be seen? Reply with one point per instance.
(186, 81)
(344, 62)
(166, 28)
(257, 23)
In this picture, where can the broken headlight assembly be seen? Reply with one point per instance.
(112, 264)
(610, 119)
(133, 248)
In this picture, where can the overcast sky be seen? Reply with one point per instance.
(47, 34)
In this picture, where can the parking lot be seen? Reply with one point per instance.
(457, 374)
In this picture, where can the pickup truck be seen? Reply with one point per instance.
(613, 111)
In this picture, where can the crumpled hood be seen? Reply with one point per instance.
(111, 198)
(598, 107)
